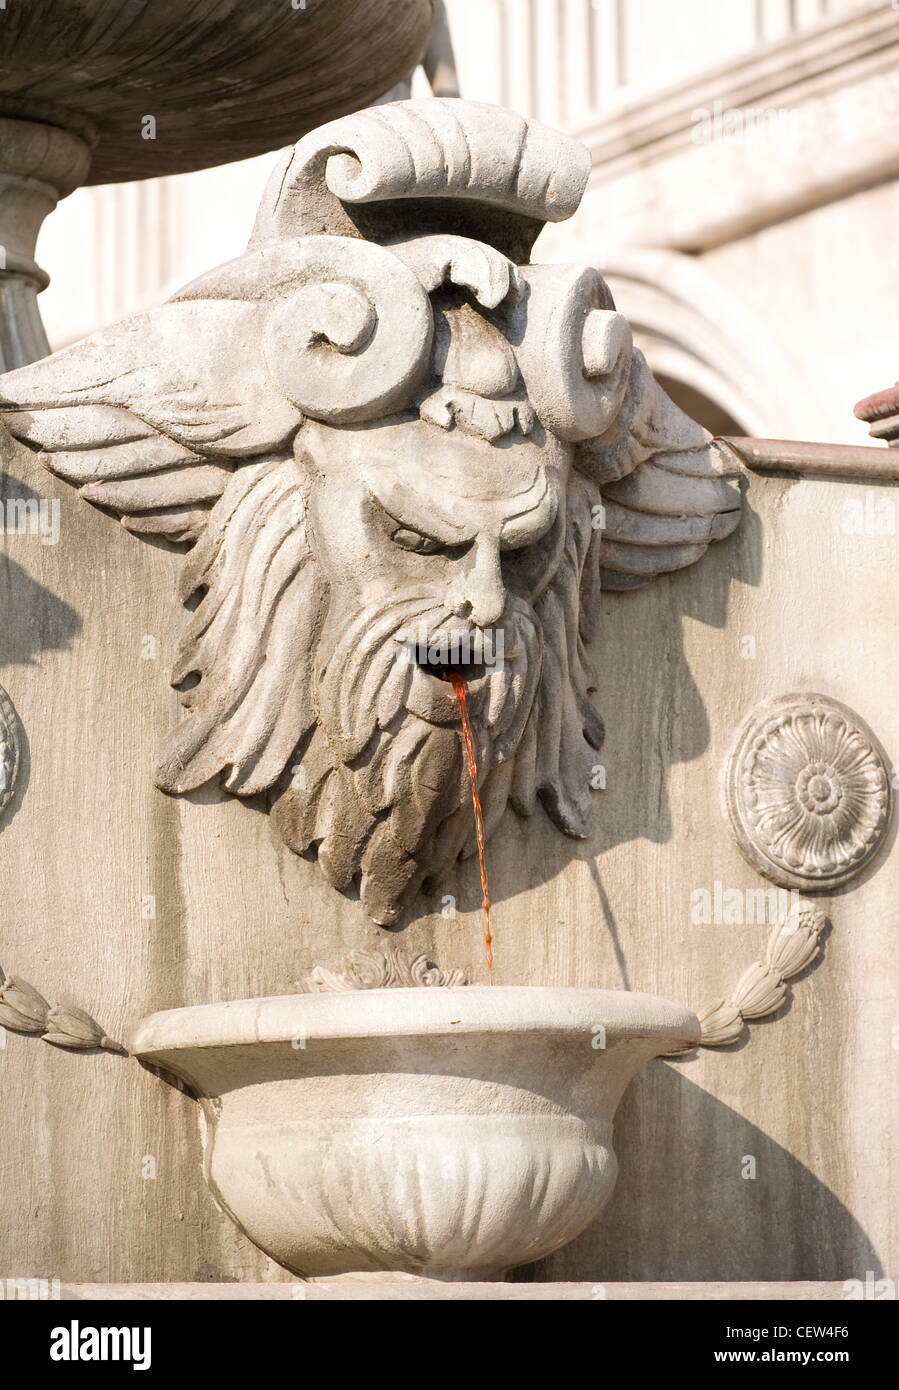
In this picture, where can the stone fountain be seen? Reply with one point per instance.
(397, 448)
(388, 431)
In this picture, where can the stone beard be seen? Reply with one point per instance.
(383, 430)
(331, 603)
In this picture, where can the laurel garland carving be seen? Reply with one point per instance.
(389, 967)
(792, 946)
(24, 1010)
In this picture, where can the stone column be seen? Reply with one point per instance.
(39, 164)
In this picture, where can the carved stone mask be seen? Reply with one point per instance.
(394, 447)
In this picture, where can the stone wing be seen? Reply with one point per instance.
(150, 417)
(665, 494)
(169, 419)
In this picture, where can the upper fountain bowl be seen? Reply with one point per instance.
(451, 1133)
(223, 81)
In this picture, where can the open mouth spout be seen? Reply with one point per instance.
(445, 670)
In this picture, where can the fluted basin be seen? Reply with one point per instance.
(222, 80)
(452, 1133)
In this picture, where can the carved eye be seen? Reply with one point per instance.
(414, 540)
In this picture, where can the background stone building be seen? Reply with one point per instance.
(743, 202)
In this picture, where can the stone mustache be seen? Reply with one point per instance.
(382, 429)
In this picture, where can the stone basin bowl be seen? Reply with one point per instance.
(450, 1133)
(224, 80)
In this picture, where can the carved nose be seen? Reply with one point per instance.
(481, 594)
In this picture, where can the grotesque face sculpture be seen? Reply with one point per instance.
(395, 448)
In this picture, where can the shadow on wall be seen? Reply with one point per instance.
(712, 1223)
(32, 619)
(653, 709)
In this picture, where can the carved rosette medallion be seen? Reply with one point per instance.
(807, 791)
(10, 751)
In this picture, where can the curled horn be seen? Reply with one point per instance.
(349, 336)
(573, 348)
(422, 149)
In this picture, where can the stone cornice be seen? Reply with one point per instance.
(789, 70)
(840, 84)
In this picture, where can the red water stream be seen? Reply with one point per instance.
(458, 685)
